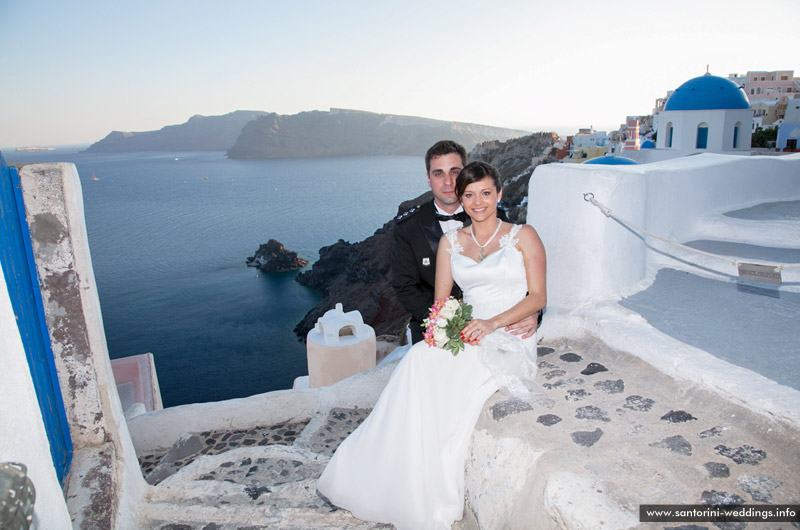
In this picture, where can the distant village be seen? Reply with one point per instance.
(758, 112)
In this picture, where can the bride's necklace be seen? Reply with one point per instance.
(482, 255)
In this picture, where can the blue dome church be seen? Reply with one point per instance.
(707, 114)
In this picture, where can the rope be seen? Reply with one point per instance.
(589, 197)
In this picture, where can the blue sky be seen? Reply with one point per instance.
(74, 71)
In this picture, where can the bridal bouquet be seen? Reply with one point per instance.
(445, 321)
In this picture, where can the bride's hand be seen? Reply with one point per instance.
(476, 330)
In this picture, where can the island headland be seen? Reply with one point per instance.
(341, 132)
(338, 132)
(200, 133)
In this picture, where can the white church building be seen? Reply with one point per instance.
(707, 114)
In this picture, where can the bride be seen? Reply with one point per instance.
(405, 464)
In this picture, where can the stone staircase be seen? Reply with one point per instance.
(609, 433)
(256, 478)
(158, 466)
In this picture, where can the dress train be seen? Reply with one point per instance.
(407, 467)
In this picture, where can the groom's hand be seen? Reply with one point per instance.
(525, 327)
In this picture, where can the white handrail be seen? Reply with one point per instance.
(589, 197)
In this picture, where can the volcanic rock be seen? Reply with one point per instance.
(274, 257)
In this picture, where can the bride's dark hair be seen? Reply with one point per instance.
(475, 172)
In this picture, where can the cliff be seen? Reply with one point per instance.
(359, 274)
(351, 132)
(258, 134)
(200, 133)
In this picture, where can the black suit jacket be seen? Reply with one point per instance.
(416, 239)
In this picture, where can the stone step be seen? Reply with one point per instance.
(257, 487)
(327, 430)
(158, 466)
(253, 480)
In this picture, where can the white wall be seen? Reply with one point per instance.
(591, 258)
(745, 138)
(22, 434)
(720, 130)
(54, 212)
(792, 111)
(593, 261)
(786, 132)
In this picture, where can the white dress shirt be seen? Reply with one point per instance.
(449, 225)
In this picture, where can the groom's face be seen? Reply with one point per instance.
(442, 180)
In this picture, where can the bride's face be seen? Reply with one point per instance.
(480, 199)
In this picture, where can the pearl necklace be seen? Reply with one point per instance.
(481, 255)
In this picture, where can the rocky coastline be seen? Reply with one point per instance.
(358, 275)
(272, 256)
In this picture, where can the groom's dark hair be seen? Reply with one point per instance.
(475, 172)
(444, 147)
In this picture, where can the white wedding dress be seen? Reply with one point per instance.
(405, 464)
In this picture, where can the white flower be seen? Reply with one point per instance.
(441, 322)
(440, 336)
(449, 309)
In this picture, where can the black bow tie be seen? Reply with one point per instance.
(460, 216)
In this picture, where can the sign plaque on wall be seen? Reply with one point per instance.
(759, 273)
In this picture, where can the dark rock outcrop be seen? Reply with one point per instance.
(272, 256)
(352, 132)
(200, 133)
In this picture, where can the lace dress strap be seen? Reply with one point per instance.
(509, 240)
(455, 246)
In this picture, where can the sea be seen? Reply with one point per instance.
(169, 234)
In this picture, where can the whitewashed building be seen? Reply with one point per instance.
(589, 138)
(765, 113)
(707, 114)
(789, 130)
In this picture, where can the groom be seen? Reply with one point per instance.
(416, 238)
